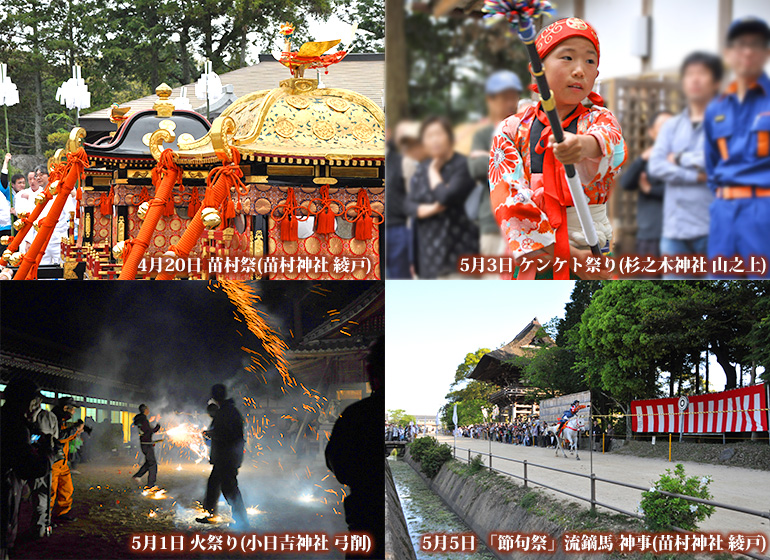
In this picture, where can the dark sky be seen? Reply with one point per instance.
(173, 334)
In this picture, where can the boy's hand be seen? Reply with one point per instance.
(8, 157)
(575, 148)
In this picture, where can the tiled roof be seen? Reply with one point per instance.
(493, 366)
(362, 73)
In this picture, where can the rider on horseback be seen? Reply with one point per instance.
(569, 414)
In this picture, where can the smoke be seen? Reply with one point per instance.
(174, 353)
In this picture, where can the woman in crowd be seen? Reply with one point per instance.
(437, 195)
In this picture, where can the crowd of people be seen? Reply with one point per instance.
(530, 432)
(18, 198)
(703, 184)
(394, 432)
(38, 446)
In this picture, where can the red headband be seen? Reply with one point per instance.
(562, 30)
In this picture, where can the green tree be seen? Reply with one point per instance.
(399, 417)
(128, 47)
(550, 373)
(614, 351)
(370, 17)
(449, 59)
(470, 395)
(466, 367)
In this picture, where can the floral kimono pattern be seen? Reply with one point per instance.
(518, 197)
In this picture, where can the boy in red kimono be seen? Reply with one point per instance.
(529, 192)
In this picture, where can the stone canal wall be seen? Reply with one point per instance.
(488, 509)
(398, 544)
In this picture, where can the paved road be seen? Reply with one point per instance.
(731, 485)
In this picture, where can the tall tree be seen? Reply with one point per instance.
(470, 395)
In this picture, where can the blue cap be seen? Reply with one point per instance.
(746, 25)
(502, 80)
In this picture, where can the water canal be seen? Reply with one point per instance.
(425, 512)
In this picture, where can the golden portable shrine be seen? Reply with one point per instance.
(292, 177)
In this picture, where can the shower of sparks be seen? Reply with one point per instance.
(188, 438)
(260, 430)
(243, 297)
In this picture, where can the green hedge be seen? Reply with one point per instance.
(430, 454)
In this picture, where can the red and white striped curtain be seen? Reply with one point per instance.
(738, 410)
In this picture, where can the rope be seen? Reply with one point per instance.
(57, 174)
(168, 174)
(77, 162)
(218, 185)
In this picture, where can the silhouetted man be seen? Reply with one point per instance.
(44, 423)
(150, 465)
(355, 456)
(226, 433)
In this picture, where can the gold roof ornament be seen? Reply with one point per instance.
(118, 115)
(163, 106)
(298, 119)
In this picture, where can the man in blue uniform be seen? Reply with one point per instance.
(737, 148)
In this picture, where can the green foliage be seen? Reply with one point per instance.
(400, 417)
(529, 500)
(466, 367)
(662, 511)
(449, 59)
(430, 454)
(419, 447)
(550, 373)
(370, 16)
(127, 48)
(475, 465)
(470, 395)
(470, 400)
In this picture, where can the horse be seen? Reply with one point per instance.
(570, 433)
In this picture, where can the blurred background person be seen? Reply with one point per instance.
(503, 91)
(397, 261)
(411, 148)
(436, 200)
(737, 146)
(649, 203)
(678, 160)
(21, 461)
(405, 153)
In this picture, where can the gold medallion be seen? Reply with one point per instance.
(285, 128)
(298, 101)
(323, 130)
(363, 132)
(338, 104)
(167, 124)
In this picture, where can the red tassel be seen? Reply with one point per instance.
(289, 225)
(325, 221)
(169, 208)
(105, 202)
(364, 217)
(324, 215)
(195, 203)
(289, 228)
(144, 195)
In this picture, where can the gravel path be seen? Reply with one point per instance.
(748, 488)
